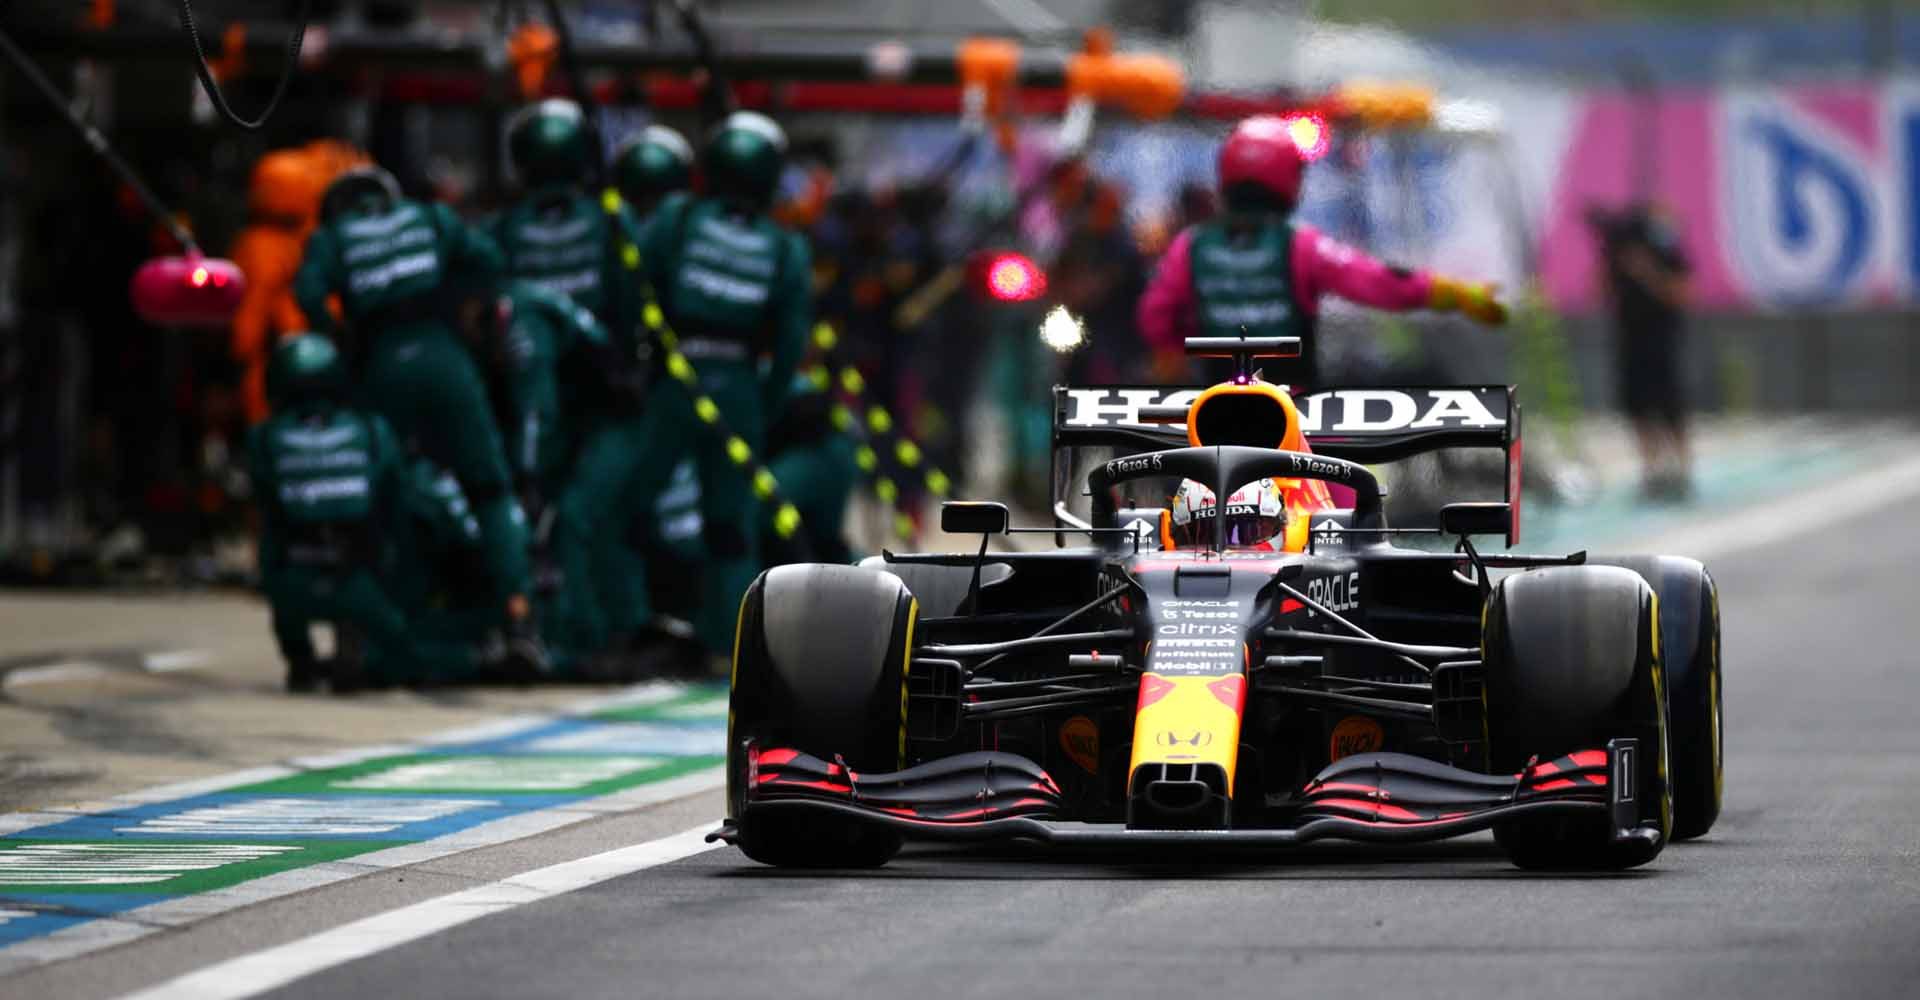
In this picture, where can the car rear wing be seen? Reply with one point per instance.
(1366, 425)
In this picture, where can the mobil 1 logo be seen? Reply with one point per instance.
(1190, 638)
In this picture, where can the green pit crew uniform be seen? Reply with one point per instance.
(400, 268)
(735, 287)
(332, 493)
(566, 241)
(559, 237)
(652, 165)
(442, 564)
(553, 386)
(564, 391)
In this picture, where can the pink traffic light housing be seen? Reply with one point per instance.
(187, 291)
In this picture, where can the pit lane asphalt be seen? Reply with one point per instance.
(1809, 885)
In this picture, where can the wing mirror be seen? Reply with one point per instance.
(974, 517)
(1493, 518)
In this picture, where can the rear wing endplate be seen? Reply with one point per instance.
(1364, 425)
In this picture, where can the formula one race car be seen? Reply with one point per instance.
(1217, 690)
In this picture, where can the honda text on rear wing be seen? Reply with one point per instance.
(1367, 425)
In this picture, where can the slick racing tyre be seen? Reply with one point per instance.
(1690, 654)
(942, 591)
(1572, 661)
(819, 666)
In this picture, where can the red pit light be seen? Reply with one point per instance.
(1308, 130)
(1013, 278)
(187, 291)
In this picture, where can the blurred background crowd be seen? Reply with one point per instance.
(1694, 205)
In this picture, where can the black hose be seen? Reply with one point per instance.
(577, 80)
(96, 141)
(717, 100)
(212, 87)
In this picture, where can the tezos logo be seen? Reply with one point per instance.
(1310, 466)
(1124, 466)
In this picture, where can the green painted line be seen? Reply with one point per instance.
(77, 882)
(158, 867)
(694, 705)
(569, 775)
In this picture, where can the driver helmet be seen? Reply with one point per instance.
(1256, 516)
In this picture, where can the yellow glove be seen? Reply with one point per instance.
(1479, 301)
(1170, 367)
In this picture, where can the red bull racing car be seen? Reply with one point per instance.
(1205, 688)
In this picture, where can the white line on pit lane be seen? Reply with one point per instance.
(180, 911)
(257, 973)
(81, 669)
(55, 673)
(177, 659)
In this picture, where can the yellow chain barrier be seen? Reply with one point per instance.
(786, 517)
(879, 423)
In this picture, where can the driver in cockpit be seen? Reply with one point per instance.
(1256, 514)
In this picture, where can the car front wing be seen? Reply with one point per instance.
(1376, 797)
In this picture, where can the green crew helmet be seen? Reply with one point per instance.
(547, 143)
(652, 165)
(305, 368)
(360, 191)
(744, 157)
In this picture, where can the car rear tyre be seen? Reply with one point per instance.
(1572, 661)
(1690, 654)
(819, 666)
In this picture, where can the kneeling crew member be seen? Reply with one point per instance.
(330, 483)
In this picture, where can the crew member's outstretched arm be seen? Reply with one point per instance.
(1325, 266)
